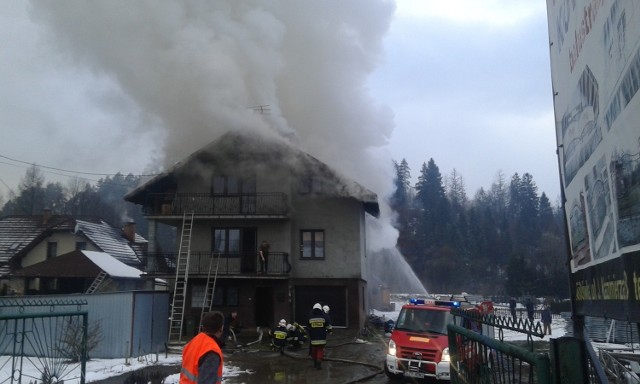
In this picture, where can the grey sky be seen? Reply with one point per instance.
(93, 88)
(470, 86)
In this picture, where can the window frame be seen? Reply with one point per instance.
(52, 249)
(314, 244)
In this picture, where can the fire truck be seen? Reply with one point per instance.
(419, 346)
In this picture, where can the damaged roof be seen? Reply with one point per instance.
(235, 148)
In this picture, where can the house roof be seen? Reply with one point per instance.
(235, 148)
(80, 264)
(109, 240)
(19, 234)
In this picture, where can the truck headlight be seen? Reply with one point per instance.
(392, 347)
(445, 355)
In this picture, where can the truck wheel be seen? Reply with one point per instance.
(392, 376)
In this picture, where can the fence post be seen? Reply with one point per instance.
(568, 360)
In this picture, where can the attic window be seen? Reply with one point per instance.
(15, 246)
(310, 184)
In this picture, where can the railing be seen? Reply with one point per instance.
(257, 204)
(227, 264)
(476, 358)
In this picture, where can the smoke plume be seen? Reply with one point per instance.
(197, 69)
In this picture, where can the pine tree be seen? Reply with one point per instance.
(434, 206)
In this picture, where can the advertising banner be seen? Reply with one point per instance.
(595, 70)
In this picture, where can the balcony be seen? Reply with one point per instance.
(226, 264)
(204, 204)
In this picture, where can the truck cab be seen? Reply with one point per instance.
(419, 346)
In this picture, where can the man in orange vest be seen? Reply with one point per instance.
(202, 356)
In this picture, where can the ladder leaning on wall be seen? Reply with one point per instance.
(182, 276)
(210, 288)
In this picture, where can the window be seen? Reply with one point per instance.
(81, 245)
(222, 297)
(225, 297)
(312, 244)
(233, 185)
(52, 249)
(226, 241)
(310, 184)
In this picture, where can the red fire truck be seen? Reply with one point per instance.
(419, 345)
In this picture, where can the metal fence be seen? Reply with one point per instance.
(125, 324)
(48, 345)
(477, 358)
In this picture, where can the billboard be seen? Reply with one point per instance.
(595, 70)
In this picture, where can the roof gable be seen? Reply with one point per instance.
(20, 233)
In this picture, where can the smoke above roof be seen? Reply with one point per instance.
(197, 69)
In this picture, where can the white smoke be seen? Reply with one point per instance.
(197, 69)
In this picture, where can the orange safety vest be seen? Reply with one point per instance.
(191, 354)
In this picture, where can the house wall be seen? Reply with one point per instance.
(66, 243)
(341, 221)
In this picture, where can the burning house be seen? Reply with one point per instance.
(232, 194)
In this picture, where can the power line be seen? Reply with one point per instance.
(66, 170)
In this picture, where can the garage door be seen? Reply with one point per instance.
(334, 296)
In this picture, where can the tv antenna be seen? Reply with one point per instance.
(263, 109)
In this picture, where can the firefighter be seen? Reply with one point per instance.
(279, 337)
(202, 359)
(326, 309)
(297, 335)
(319, 325)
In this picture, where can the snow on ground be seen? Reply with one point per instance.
(99, 369)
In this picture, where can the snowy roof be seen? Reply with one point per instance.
(19, 234)
(109, 240)
(112, 266)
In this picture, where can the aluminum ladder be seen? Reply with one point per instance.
(96, 282)
(182, 276)
(210, 288)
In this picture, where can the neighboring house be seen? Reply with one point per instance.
(242, 190)
(82, 272)
(26, 240)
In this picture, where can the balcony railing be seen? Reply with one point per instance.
(226, 264)
(257, 204)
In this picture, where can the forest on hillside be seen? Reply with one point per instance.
(506, 240)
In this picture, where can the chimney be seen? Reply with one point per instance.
(46, 216)
(129, 231)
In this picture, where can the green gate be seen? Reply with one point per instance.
(479, 358)
(42, 341)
